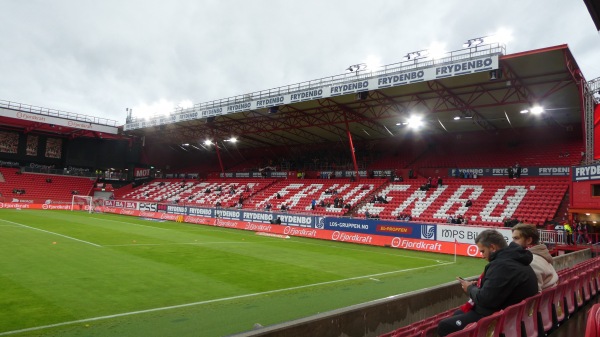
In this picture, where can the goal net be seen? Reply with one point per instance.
(83, 203)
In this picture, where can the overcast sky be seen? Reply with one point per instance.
(100, 57)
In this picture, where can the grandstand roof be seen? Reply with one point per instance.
(594, 9)
(549, 77)
(28, 118)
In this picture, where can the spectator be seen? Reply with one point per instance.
(569, 233)
(581, 230)
(517, 171)
(506, 280)
(367, 214)
(313, 204)
(439, 182)
(528, 237)
(468, 203)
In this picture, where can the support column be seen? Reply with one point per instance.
(218, 152)
(351, 147)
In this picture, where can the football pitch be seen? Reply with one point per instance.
(78, 274)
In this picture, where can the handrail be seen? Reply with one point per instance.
(462, 54)
(56, 113)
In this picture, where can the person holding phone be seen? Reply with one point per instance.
(506, 280)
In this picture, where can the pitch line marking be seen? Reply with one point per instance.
(174, 243)
(178, 306)
(53, 233)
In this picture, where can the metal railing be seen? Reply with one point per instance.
(418, 63)
(56, 113)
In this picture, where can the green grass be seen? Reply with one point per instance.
(79, 274)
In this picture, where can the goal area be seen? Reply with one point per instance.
(84, 203)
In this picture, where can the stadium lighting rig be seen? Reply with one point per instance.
(501, 36)
(535, 110)
(416, 55)
(357, 67)
(413, 122)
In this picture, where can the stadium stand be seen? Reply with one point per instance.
(534, 200)
(200, 193)
(42, 187)
(539, 315)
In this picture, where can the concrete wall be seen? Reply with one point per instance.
(377, 317)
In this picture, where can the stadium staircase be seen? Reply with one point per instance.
(120, 192)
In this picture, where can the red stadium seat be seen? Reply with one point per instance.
(511, 326)
(468, 331)
(558, 304)
(570, 294)
(490, 326)
(592, 328)
(529, 317)
(545, 321)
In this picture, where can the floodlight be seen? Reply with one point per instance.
(456, 118)
(524, 111)
(473, 42)
(415, 122)
(208, 142)
(231, 140)
(416, 55)
(185, 144)
(357, 67)
(537, 110)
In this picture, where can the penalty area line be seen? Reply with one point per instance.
(178, 306)
(53, 233)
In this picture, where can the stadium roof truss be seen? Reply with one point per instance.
(547, 77)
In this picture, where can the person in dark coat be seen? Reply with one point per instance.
(506, 280)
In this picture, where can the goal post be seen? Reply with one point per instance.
(82, 203)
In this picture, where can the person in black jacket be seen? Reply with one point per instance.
(506, 280)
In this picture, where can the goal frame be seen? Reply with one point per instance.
(88, 204)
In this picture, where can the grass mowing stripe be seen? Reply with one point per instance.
(87, 320)
(131, 223)
(359, 250)
(53, 233)
(306, 243)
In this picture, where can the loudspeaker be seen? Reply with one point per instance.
(362, 95)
